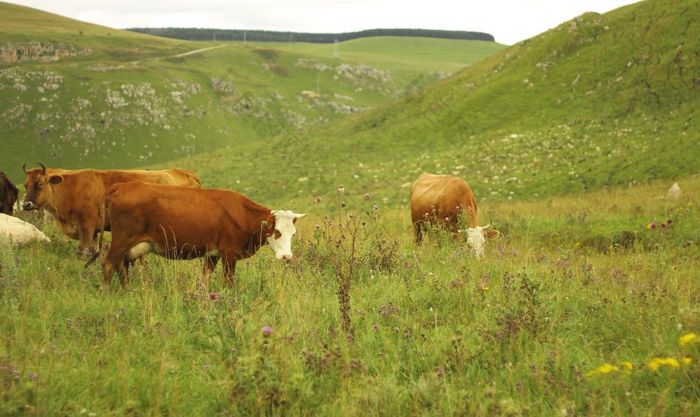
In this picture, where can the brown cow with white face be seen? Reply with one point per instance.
(74, 198)
(8, 194)
(441, 200)
(186, 223)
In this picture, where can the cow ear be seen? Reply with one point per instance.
(492, 234)
(55, 179)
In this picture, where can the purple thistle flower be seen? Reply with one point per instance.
(266, 331)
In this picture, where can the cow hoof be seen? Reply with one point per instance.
(83, 254)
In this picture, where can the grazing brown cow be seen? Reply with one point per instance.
(185, 223)
(441, 200)
(74, 198)
(8, 194)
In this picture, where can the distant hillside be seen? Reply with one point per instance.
(39, 36)
(74, 94)
(202, 34)
(598, 101)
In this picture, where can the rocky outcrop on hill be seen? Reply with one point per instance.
(12, 53)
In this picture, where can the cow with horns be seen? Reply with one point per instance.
(74, 197)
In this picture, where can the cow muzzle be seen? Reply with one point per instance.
(28, 206)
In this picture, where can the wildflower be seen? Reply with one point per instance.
(686, 360)
(669, 222)
(651, 226)
(656, 363)
(213, 296)
(688, 338)
(366, 197)
(603, 369)
(627, 365)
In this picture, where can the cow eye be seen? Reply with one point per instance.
(277, 234)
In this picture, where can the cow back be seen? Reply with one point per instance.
(441, 195)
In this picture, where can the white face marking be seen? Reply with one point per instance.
(281, 239)
(475, 238)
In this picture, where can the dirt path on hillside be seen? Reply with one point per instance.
(196, 51)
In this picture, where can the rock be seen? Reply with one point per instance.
(674, 192)
(19, 232)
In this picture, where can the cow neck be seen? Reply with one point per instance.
(265, 222)
(61, 203)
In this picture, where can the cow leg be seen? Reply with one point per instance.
(123, 271)
(86, 234)
(418, 231)
(208, 267)
(115, 260)
(210, 264)
(229, 271)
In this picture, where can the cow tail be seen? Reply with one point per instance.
(103, 211)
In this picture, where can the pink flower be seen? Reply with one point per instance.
(266, 331)
(652, 226)
(213, 296)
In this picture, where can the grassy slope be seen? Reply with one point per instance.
(129, 103)
(23, 24)
(574, 283)
(601, 100)
(407, 58)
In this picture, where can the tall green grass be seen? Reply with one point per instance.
(432, 331)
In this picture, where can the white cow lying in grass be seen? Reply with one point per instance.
(19, 232)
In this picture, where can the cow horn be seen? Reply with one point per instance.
(487, 226)
(24, 168)
(43, 167)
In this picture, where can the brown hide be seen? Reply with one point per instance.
(8, 194)
(74, 198)
(440, 200)
(183, 223)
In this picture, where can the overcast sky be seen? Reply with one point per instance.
(510, 21)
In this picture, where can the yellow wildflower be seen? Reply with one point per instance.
(603, 369)
(688, 338)
(687, 360)
(627, 365)
(656, 363)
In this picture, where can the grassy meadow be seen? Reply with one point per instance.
(378, 326)
(588, 303)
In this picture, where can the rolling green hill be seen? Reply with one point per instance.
(600, 100)
(408, 59)
(80, 95)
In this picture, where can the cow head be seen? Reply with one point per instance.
(476, 239)
(39, 188)
(8, 194)
(280, 238)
